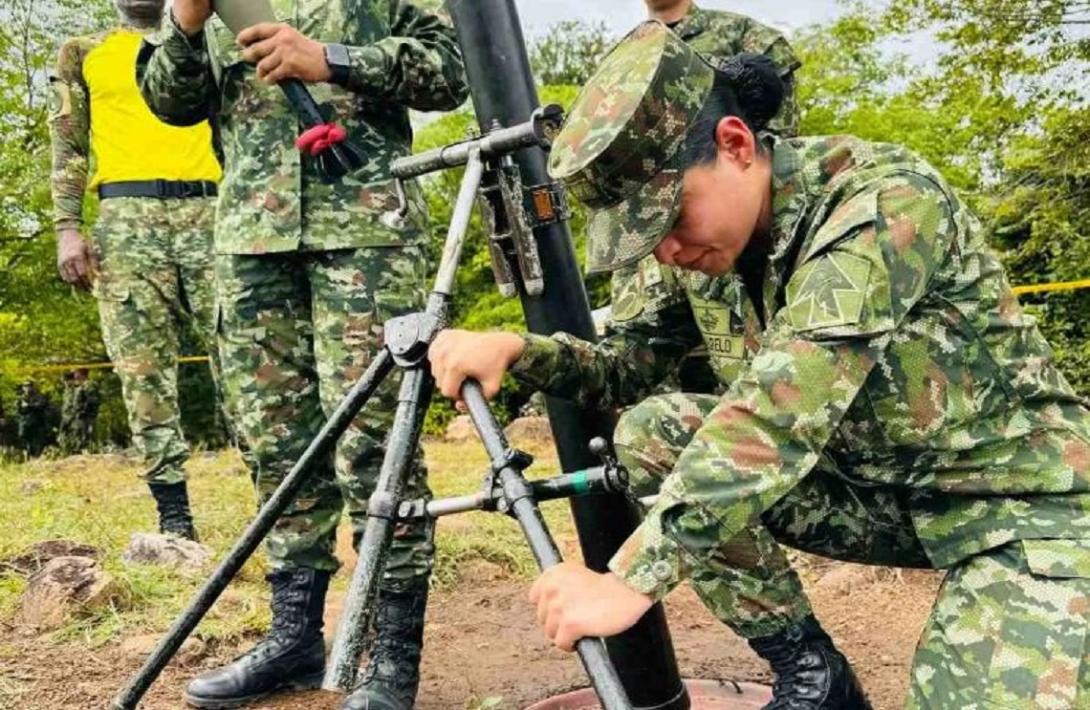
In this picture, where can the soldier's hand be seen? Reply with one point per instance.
(192, 14)
(458, 355)
(574, 602)
(75, 261)
(283, 52)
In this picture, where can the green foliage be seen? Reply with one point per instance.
(42, 320)
(996, 114)
(569, 52)
(478, 304)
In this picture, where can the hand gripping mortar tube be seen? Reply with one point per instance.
(326, 141)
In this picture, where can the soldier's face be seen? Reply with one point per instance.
(657, 6)
(723, 204)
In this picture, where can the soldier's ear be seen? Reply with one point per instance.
(735, 143)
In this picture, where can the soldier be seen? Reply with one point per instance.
(902, 409)
(35, 420)
(648, 286)
(79, 410)
(306, 273)
(150, 256)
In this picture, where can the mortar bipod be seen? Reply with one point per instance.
(511, 209)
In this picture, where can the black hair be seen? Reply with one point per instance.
(747, 86)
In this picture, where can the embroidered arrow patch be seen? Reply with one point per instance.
(828, 292)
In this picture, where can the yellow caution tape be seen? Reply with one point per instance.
(1018, 290)
(1049, 288)
(97, 365)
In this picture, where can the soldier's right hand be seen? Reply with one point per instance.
(458, 355)
(75, 260)
(192, 14)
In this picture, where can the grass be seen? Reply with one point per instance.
(99, 500)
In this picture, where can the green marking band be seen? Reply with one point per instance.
(579, 482)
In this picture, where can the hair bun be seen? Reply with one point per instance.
(757, 85)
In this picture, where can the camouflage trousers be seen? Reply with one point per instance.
(156, 268)
(296, 330)
(1010, 628)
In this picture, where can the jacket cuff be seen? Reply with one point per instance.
(650, 561)
(540, 358)
(368, 69)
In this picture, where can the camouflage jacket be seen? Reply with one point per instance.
(72, 93)
(271, 198)
(717, 35)
(70, 131)
(894, 354)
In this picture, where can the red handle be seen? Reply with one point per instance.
(317, 139)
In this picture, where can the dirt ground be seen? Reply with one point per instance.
(483, 650)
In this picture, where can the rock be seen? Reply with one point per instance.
(166, 551)
(62, 586)
(192, 650)
(40, 553)
(461, 429)
(534, 407)
(530, 429)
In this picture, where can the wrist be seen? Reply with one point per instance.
(338, 63)
(515, 346)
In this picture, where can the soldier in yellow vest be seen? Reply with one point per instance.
(149, 256)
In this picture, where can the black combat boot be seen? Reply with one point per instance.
(291, 656)
(172, 500)
(811, 674)
(393, 672)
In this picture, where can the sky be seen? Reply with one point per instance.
(621, 15)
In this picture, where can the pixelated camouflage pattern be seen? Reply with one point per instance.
(1010, 625)
(155, 278)
(296, 332)
(622, 135)
(271, 198)
(70, 131)
(718, 36)
(919, 369)
(726, 316)
(79, 409)
(1009, 630)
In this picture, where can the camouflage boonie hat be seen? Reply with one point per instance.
(619, 149)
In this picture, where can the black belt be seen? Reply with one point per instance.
(161, 189)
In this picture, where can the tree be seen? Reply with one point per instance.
(569, 52)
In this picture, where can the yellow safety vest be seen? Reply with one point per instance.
(128, 141)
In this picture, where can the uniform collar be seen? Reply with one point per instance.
(694, 23)
(792, 197)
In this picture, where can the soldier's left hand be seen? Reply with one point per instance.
(574, 602)
(283, 52)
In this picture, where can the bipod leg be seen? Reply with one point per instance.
(519, 498)
(255, 532)
(355, 621)
(407, 338)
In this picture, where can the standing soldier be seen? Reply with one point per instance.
(79, 410)
(306, 274)
(902, 409)
(35, 420)
(150, 256)
(649, 287)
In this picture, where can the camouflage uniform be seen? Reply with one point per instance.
(78, 413)
(902, 409)
(36, 420)
(155, 260)
(721, 303)
(307, 271)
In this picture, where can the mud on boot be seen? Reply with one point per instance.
(393, 672)
(290, 657)
(172, 500)
(810, 673)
